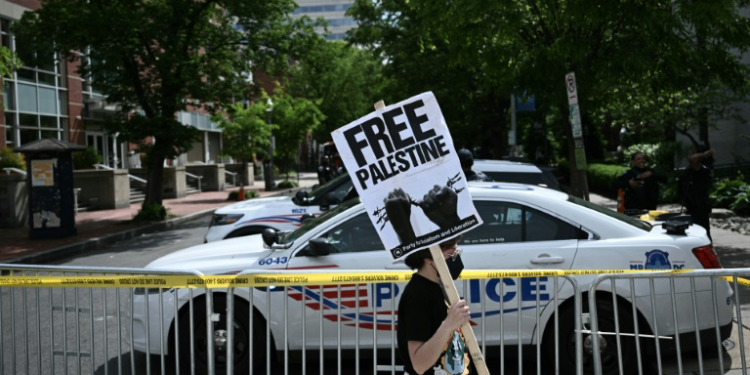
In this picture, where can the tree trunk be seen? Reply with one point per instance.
(703, 126)
(154, 186)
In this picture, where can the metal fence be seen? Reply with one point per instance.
(526, 322)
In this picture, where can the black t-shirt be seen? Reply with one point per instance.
(421, 310)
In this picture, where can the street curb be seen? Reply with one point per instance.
(62, 252)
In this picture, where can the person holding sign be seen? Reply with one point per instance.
(430, 340)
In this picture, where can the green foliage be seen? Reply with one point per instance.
(287, 184)
(245, 131)
(659, 156)
(9, 62)
(294, 117)
(234, 195)
(86, 159)
(741, 205)
(732, 194)
(600, 176)
(346, 79)
(160, 57)
(637, 64)
(10, 159)
(151, 212)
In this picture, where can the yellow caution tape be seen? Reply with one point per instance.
(279, 279)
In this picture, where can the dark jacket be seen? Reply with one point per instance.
(476, 176)
(647, 195)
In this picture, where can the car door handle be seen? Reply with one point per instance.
(546, 259)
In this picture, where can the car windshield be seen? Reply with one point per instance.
(325, 188)
(291, 236)
(606, 211)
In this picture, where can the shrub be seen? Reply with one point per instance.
(287, 184)
(732, 194)
(741, 205)
(86, 159)
(10, 159)
(234, 195)
(151, 212)
(600, 176)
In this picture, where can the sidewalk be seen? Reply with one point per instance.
(99, 228)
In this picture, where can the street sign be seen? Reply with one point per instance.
(570, 83)
(575, 121)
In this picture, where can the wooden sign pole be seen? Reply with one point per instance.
(450, 290)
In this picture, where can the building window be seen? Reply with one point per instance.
(36, 97)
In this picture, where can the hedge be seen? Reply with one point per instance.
(601, 176)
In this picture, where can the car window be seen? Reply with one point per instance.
(325, 188)
(354, 236)
(340, 192)
(512, 222)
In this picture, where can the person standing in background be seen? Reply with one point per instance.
(640, 183)
(467, 160)
(697, 184)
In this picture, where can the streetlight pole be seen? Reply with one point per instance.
(269, 180)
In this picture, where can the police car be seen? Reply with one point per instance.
(525, 227)
(253, 216)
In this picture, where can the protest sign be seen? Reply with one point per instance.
(404, 165)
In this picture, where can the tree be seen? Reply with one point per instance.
(152, 56)
(529, 45)
(9, 62)
(294, 117)
(245, 132)
(344, 80)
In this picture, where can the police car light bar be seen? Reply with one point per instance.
(678, 224)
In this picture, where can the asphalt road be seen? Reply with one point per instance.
(99, 309)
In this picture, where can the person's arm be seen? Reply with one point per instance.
(625, 180)
(697, 158)
(423, 355)
(652, 173)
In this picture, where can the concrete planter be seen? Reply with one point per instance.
(237, 168)
(103, 189)
(173, 179)
(213, 176)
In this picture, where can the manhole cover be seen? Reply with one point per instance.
(728, 344)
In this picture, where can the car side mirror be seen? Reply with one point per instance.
(319, 247)
(306, 217)
(269, 236)
(301, 197)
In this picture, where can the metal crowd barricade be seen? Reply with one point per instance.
(685, 316)
(348, 323)
(62, 330)
(323, 301)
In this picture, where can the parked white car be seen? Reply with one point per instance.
(525, 227)
(253, 216)
(522, 173)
